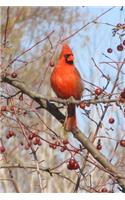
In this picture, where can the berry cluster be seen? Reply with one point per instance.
(4, 108)
(72, 164)
(119, 27)
(13, 109)
(62, 144)
(120, 47)
(35, 139)
(10, 134)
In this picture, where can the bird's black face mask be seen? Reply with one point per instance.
(69, 58)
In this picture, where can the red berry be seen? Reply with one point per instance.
(104, 190)
(109, 50)
(21, 97)
(122, 143)
(69, 167)
(36, 141)
(53, 146)
(13, 108)
(120, 47)
(72, 164)
(14, 75)
(11, 133)
(31, 136)
(99, 146)
(40, 143)
(111, 120)
(65, 141)
(98, 91)
(76, 165)
(63, 148)
(2, 149)
(4, 108)
(82, 105)
(124, 42)
(72, 161)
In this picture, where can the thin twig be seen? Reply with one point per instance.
(92, 21)
(5, 33)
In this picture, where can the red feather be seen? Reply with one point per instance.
(66, 82)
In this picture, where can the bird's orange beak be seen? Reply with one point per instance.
(70, 58)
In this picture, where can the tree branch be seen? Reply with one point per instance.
(50, 107)
(45, 104)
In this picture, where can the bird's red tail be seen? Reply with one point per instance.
(70, 123)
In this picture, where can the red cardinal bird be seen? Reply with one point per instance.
(66, 82)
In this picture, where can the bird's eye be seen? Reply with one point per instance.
(66, 56)
(69, 57)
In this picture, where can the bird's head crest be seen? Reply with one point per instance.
(66, 50)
